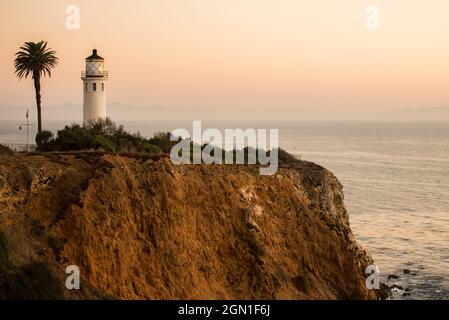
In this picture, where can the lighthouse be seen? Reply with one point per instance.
(94, 88)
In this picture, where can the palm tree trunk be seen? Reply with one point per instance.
(37, 87)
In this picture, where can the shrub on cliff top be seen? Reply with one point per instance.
(43, 138)
(98, 135)
(286, 158)
(5, 151)
(106, 135)
(162, 141)
(100, 142)
(152, 149)
(72, 138)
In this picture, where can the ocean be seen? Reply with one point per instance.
(396, 184)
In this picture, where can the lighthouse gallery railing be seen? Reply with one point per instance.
(103, 74)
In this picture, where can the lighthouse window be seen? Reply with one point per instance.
(95, 87)
(86, 86)
(102, 87)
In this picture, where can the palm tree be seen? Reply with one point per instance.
(36, 60)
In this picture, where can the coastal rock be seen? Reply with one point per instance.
(396, 287)
(146, 229)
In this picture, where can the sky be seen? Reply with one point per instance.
(257, 59)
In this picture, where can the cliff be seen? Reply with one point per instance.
(147, 229)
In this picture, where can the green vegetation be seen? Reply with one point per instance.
(105, 135)
(35, 60)
(250, 155)
(102, 135)
(5, 151)
(43, 137)
(286, 158)
(101, 142)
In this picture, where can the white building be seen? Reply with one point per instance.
(94, 87)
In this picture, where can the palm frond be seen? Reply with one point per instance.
(35, 60)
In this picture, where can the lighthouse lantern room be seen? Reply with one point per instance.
(94, 87)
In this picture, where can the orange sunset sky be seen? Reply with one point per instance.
(264, 58)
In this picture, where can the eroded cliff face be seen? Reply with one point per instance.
(147, 229)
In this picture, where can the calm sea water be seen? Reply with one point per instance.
(396, 183)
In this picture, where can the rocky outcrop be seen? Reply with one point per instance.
(147, 229)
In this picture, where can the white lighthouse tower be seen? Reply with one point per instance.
(94, 87)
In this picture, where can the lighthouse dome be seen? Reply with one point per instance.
(94, 65)
(94, 56)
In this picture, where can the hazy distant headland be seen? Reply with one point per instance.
(124, 112)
